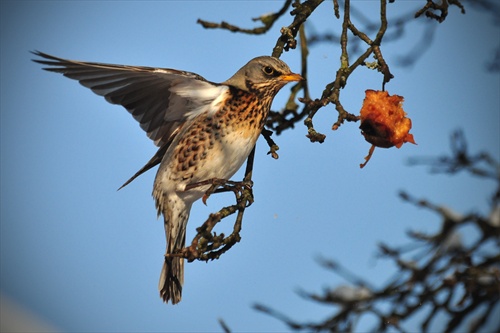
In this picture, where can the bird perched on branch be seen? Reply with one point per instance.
(204, 131)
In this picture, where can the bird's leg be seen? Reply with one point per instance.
(221, 185)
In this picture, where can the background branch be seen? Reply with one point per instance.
(457, 282)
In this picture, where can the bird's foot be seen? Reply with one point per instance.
(221, 185)
(236, 187)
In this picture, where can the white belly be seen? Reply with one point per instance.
(222, 161)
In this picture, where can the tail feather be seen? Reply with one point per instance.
(171, 280)
(176, 214)
(155, 160)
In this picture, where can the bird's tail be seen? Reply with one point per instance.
(172, 273)
(172, 279)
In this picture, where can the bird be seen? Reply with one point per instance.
(203, 131)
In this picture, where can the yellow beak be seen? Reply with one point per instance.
(291, 77)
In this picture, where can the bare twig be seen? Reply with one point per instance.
(268, 20)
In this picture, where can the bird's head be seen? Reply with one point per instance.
(263, 74)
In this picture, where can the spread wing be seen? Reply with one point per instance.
(160, 99)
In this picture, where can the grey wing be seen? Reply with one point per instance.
(160, 99)
(149, 94)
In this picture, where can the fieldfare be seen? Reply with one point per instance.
(204, 131)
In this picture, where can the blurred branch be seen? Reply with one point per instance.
(491, 7)
(224, 326)
(442, 7)
(438, 276)
(480, 164)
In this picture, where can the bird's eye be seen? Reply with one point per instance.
(268, 70)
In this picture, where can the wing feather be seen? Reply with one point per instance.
(160, 99)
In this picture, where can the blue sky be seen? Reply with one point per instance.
(85, 257)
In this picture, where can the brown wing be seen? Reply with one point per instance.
(149, 94)
(160, 99)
